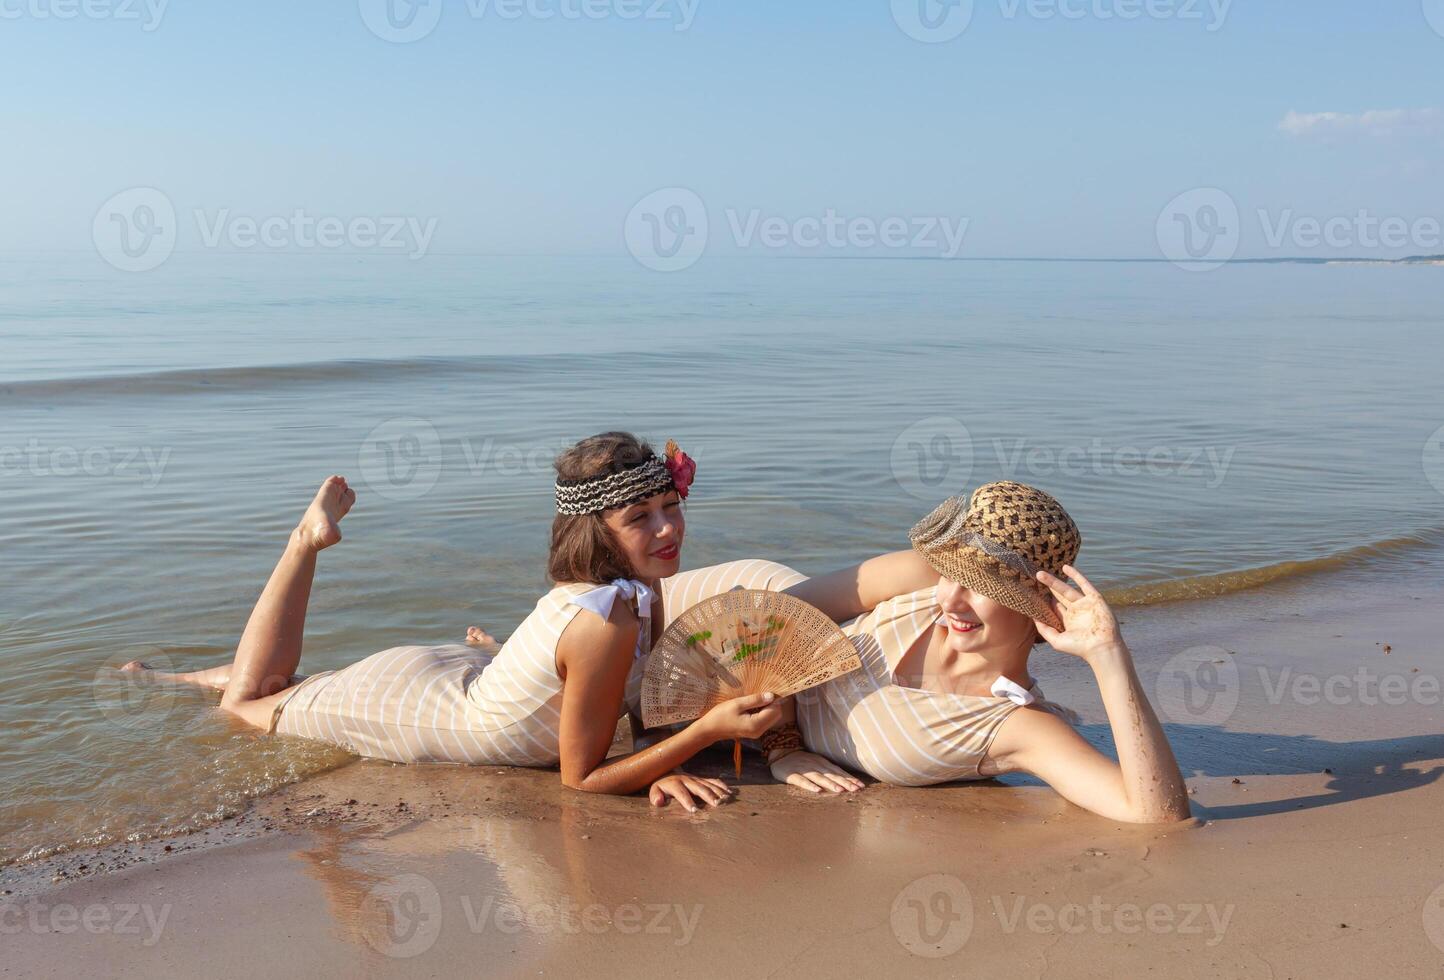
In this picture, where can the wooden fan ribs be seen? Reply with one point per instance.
(741, 642)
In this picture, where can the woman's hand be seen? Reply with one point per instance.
(683, 788)
(814, 774)
(1089, 627)
(745, 717)
(481, 639)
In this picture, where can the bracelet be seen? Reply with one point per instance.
(784, 741)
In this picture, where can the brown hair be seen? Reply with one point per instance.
(583, 549)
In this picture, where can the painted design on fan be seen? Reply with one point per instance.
(752, 639)
(740, 642)
(709, 667)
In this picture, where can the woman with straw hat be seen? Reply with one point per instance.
(944, 692)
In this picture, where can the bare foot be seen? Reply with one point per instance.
(320, 525)
(215, 678)
(481, 639)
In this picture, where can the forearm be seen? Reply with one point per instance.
(639, 770)
(850, 592)
(1151, 779)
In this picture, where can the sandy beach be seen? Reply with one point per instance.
(1315, 849)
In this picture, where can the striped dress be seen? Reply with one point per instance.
(457, 704)
(683, 591)
(449, 703)
(900, 735)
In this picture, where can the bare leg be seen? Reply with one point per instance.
(213, 678)
(270, 647)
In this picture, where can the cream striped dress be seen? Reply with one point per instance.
(900, 735)
(447, 703)
(456, 704)
(683, 591)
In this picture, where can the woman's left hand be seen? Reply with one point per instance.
(814, 774)
(682, 787)
(1089, 626)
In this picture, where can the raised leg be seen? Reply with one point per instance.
(270, 647)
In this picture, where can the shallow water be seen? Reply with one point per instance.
(160, 433)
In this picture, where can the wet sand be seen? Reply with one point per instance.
(1312, 753)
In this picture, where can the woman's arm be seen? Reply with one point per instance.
(849, 592)
(1144, 785)
(595, 657)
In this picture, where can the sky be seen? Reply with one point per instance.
(1068, 128)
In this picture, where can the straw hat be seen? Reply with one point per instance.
(995, 542)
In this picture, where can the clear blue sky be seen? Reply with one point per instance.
(1054, 137)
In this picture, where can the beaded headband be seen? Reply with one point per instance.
(638, 482)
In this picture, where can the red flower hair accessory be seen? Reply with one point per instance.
(682, 467)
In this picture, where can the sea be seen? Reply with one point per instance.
(160, 433)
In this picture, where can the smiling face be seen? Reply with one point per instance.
(977, 624)
(649, 535)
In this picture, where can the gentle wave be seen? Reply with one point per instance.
(1225, 583)
(188, 381)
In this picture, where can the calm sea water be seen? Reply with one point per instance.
(160, 433)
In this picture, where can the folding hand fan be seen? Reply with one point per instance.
(741, 642)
